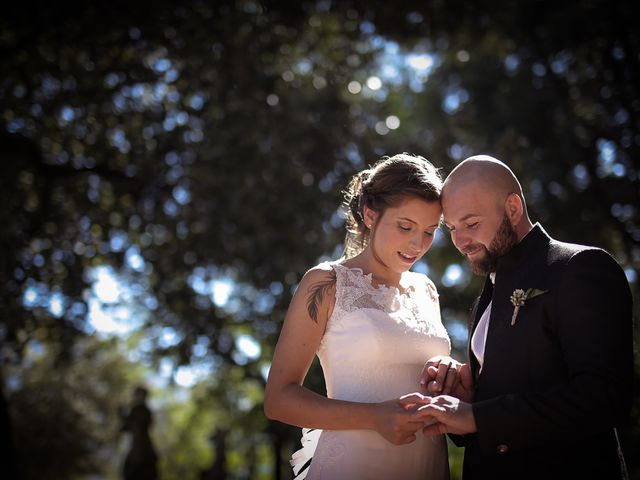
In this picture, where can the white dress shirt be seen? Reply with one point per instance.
(479, 338)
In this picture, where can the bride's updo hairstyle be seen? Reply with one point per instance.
(386, 184)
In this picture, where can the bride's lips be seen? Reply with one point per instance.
(407, 258)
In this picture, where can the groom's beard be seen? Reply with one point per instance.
(503, 241)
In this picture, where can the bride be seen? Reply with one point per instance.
(373, 324)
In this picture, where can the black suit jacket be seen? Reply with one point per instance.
(554, 385)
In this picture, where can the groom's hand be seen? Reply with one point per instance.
(439, 375)
(463, 389)
(451, 414)
(412, 401)
(443, 375)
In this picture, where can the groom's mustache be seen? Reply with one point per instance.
(472, 248)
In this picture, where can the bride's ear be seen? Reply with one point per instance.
(369, 216)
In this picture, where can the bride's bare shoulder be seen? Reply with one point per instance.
(326, 267)
(321, 276)
(318, 285)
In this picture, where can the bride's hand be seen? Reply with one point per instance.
(443, 375)
(396, 420)
(464, 389)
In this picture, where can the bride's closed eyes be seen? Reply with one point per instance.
(409, 227)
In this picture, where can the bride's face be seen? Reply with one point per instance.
(402, 234)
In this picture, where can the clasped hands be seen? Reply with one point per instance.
(442, 406)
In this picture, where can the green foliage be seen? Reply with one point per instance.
(455, 460)
(70, 410)
(182, 433)
(180, 145)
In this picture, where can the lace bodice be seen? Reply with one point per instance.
(355, 291)
(375, 344)
(379, 327)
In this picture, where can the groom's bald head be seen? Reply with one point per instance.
(485, 175)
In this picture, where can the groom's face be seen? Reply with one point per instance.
(479, 226)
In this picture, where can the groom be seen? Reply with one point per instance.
(550, 345)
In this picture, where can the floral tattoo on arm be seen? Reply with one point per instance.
(317, 292)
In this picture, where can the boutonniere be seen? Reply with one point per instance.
(519, 297)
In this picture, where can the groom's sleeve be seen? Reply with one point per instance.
(592, 327)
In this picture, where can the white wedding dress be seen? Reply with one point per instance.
(374, 347)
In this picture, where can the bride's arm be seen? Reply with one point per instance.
(288, 401)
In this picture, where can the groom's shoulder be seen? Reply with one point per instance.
(574, 253)
(566, 250)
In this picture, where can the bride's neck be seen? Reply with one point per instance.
(370, 263)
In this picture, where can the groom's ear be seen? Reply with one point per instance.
(514, 208)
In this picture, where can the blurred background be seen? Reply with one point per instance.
(169, 171)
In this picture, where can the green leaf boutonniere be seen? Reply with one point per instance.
(519, 297)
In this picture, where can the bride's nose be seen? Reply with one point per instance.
(415, 243)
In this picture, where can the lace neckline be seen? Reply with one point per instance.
(380, 288)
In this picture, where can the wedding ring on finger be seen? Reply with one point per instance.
(443, 373)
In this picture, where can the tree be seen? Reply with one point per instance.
(69, 411)
(201, 146)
